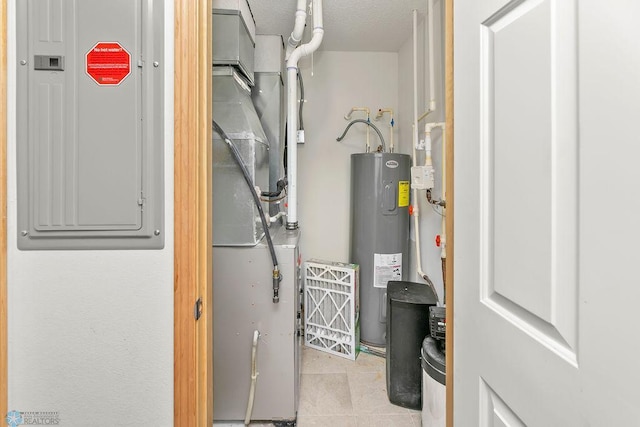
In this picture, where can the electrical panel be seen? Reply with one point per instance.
(90, 124)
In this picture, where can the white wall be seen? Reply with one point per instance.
(91, 332)
(341, 80)
(430, 221)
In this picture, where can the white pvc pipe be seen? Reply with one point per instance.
(298, 28)
(443, 233)
(292, 118)
(428, 144)
(381, 112)
(416, 201)
(432, 84)
(427, 137)
(415, 79)
(432, 79)
(416, 220)
(254, 378)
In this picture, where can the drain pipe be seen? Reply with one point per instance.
(298, 28)
(254, 378)
(292, 119)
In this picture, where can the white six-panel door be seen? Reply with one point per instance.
(547, 218)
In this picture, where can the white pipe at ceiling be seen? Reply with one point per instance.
(292, 118)
(432, 78)
(298, 28)
(415, 78)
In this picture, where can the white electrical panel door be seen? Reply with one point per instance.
(90, 143)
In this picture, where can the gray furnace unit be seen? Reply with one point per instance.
(242, 267)
(241, 305)
(380, 189)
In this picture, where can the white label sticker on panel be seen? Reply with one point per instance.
(386, 267)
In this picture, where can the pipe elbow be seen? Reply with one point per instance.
(306, 49)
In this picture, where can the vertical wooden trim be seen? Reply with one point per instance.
(3, 210)
(205, 346)
(450, 204)
(193, 376)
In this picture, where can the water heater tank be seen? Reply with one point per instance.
(380, 184)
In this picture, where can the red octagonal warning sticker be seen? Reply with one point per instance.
(108, 63)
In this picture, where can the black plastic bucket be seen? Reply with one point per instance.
(407, 324)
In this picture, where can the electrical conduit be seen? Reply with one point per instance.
(369, 124)
(292, 125)
(366, 110)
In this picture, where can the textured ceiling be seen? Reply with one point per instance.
(349, 25)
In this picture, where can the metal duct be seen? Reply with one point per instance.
(234, 213)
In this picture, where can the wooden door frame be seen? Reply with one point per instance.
(448, 55)
(193, 340)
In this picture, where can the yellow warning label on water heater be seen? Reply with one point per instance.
(403, 194)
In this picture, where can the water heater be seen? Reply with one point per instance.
(380, 188)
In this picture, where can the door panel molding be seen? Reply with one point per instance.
(528, 171)
(494, 412)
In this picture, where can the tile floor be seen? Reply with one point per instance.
(337, 392)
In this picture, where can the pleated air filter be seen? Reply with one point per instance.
(332, 307)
